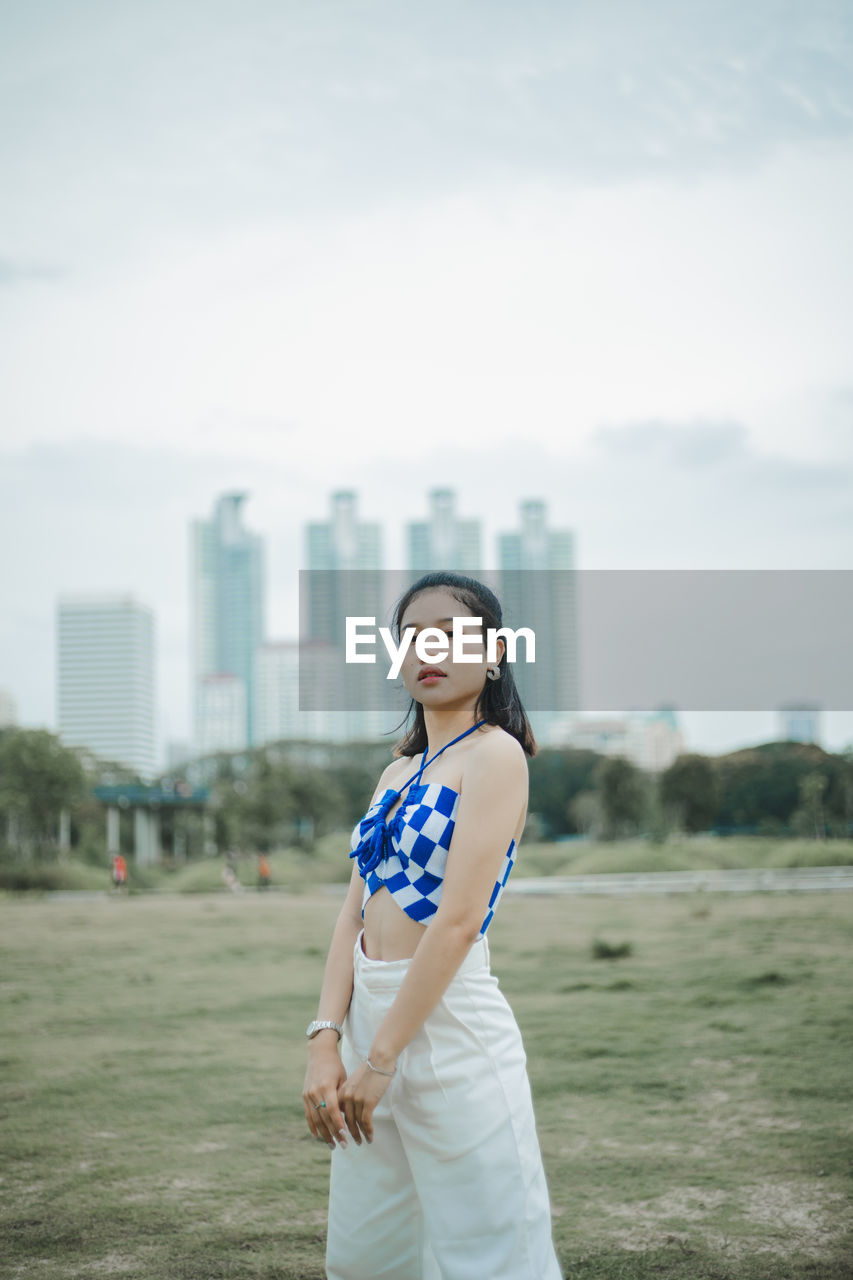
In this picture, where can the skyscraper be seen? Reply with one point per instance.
(534, 545)
(538, 590)
(443, 541)
(227, 584)
(336, 547)
(105, 653)
(344, 557)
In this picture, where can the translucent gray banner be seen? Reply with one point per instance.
(612, 639)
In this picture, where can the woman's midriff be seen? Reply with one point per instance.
(389, 934)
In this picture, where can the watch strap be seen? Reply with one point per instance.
(323, 1025)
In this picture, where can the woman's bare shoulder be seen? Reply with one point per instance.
(494, 748)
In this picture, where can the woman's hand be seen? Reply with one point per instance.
(325, 1074)
(358, 1097)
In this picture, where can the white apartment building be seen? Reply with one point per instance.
(105, 678)
(651, 740)
(277, 714)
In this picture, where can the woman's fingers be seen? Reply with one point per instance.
(316, 1116)
(310, 1116)
(332, 1121)
(336, 1120)
(364, 1114)
(359, 1098)
(325, 1121)
(349, 1112)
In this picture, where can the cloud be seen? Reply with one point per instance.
(15, 273)
(339, 106)
(689, 444)
(725, 453)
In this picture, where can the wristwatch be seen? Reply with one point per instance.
(314, 1027)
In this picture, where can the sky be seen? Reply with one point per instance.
(597, 254)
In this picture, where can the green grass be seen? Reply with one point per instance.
(329, 863)
(692, 1093)
(681, 853)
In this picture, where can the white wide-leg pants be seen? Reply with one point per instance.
(452, 1186)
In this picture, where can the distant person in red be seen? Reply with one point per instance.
(264, 873)
(119, 871)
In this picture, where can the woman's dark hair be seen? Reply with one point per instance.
(499, 702)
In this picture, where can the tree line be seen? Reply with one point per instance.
(775, 788)
(292, 794)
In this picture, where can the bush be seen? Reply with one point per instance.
(602, 950)
(25, 876)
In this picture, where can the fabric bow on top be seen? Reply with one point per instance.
(375, 843)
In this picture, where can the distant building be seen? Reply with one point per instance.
(105, 659)
(220, 714)
(443, 540)
(344, 559)
(651, 740)
(277, 714)
(8, 710)
(800, 722)
(538, 590)
(227, 613)
(336, 548)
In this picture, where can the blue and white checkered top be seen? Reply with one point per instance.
(408, 854)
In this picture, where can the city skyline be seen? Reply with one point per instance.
(515, 549)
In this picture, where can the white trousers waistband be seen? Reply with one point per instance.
(386, 975)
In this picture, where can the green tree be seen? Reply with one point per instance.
(39, 777)
(809, 818)
(584, 812)
(689, 790)
(276, 801)
(624, 792)
(556, 776)
(763, 783)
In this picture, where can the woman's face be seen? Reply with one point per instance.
(439, 681)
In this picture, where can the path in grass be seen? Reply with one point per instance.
(692, 1096)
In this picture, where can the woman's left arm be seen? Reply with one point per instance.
(494, 792)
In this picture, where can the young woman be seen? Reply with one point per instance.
(444, 1177)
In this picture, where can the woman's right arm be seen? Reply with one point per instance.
(325, 1069)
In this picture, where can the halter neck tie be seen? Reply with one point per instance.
(375, 844)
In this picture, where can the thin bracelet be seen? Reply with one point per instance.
(377, 1070)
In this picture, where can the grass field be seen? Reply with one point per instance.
(692, 1096)
(328, 862)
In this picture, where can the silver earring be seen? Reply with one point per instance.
(493, 673)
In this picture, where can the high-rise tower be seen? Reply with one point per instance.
(227, 584)
(443, 541)
(344, 559)
(336, 548)
(538, 590)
